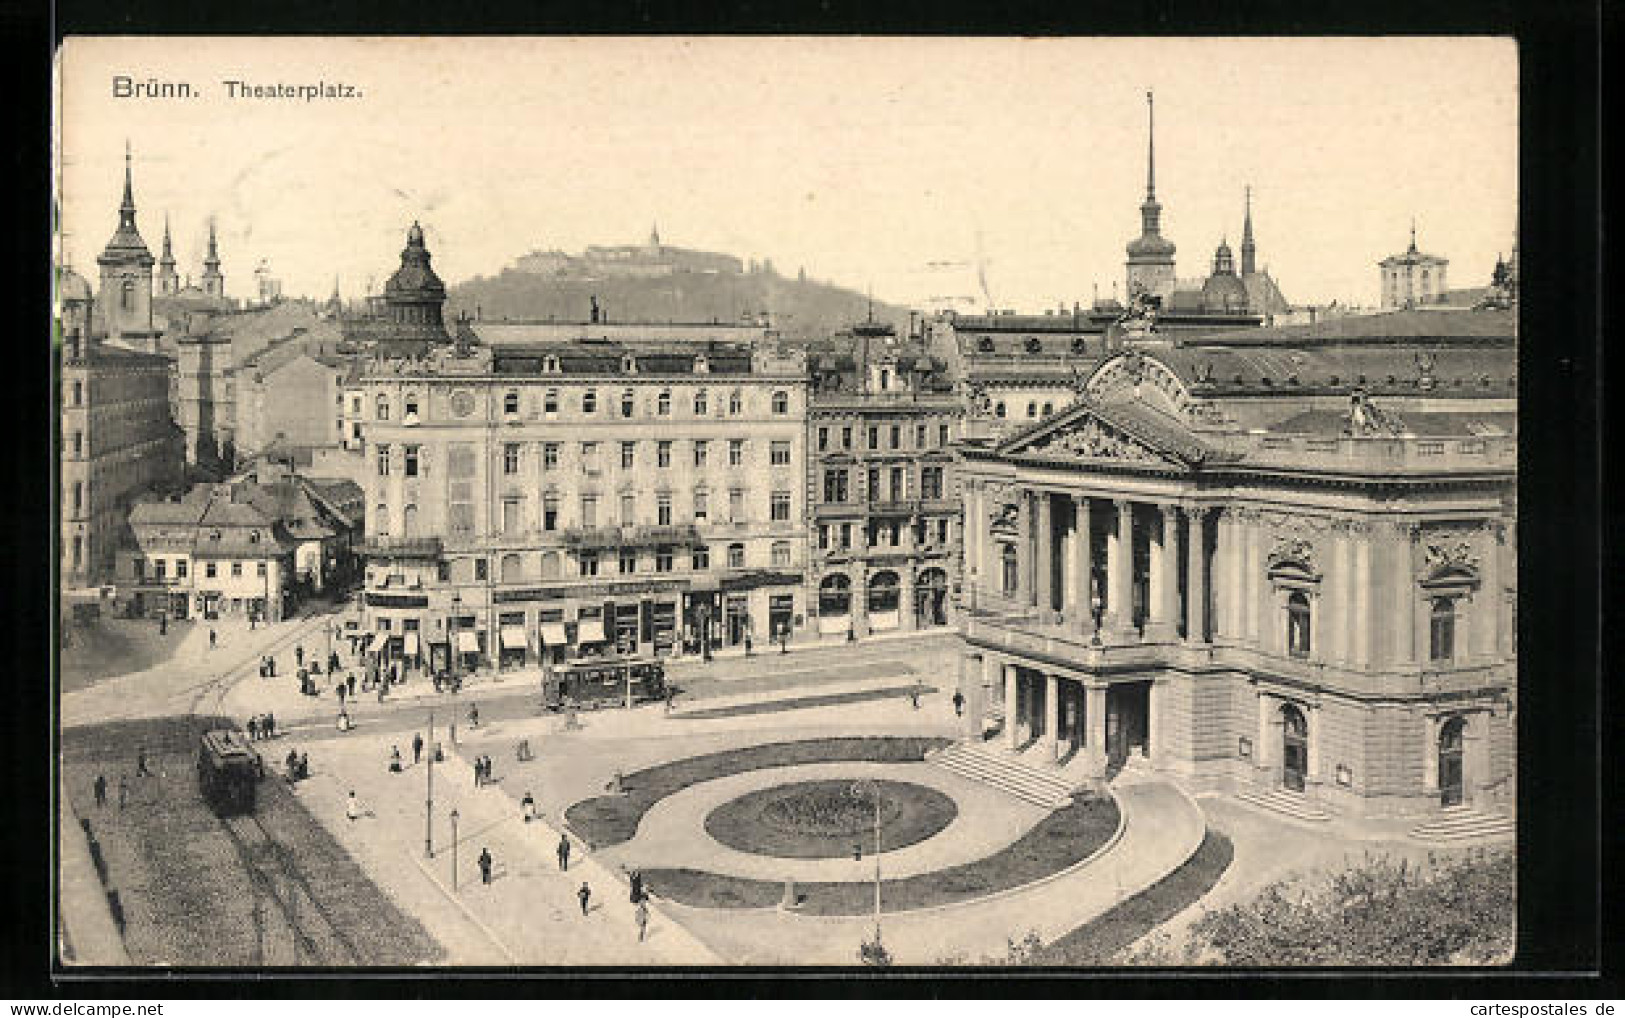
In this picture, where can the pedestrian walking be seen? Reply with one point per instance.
(299, 656)
(585, 896)
(478, 772)
(141, 762)
(640, 915)
(527, 807)
(212, 638)
(485, 865)
(253, 730)
(417, 748)
(340, 690)
(123, 791)
(269, 725)
(352, 808)
(473, 715)
(914, 695)
(394, 759)
(350, 684)
(333, 660)
(959, 703)
(564, 852)
(636, 880)
(101, 789)
(270, 664)
(747, 645)
(304, 765)
(671, 697)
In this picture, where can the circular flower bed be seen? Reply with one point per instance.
(830, 818)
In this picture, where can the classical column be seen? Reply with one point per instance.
(1252, 571)
(1402, 610)
(1012, 705)
(1052, 729)
(1024, 549)
(1164, 579)
(1430, 756)
(1475, 760)
(1084, 610)
(1264, 751)
(1094, 717)
(971, 537)
(1484, 627)
(1044, 557)
(988, 691)
(1153, 719)
(1364, 631)
(1340, 587)
(1120, 571)
(1196, 577)
(1313, 718)
(905, 595)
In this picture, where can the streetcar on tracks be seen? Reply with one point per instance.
(593, 684)
(228, 772)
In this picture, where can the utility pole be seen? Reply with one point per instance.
(428, 802)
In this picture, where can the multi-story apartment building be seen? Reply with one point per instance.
(532, 502)
(1277, 561)
(885, 527)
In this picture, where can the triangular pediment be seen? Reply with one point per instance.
(1109, 433)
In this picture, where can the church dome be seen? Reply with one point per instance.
(1150, 245)
(1224, 291)
(71, 286)
(415, 277)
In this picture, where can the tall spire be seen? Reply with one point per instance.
(126, 244)
(1249, 251)
(169, 254)
(213, 257)
(1150, 147)
(127, 207)
(1413, 233)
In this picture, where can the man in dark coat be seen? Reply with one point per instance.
(584, 896)
(101, 789)
(485, 865)
(564, 851)
(417, 747)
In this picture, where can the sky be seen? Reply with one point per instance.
(862, 160)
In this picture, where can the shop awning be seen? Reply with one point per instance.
(467, 644)
(513, 637)
(590, 631)
(411, 645)
(553, 634)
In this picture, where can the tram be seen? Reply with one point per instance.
(603, 684)
(228, 772)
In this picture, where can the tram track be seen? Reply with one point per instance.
(317, 938)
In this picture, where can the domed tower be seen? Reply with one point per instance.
(1150, 255)
(124, 303)
(415, 297)
(1224, 291)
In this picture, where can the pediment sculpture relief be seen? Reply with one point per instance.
(1293, 551)
(1447, 554)
(1090, 439)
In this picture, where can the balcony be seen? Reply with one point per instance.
(400, 547)
(631, 537)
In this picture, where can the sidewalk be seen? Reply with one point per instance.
(732, 663)
(83, 917)
(529, 915)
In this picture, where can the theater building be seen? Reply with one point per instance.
(885, 519)
(1277, 562)
(549, 501)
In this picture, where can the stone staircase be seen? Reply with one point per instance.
(1006, 772)
(1463, 823)
(1285, 803)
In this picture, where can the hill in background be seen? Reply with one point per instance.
(800, 308)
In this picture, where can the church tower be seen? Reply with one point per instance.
(1249, 251)
(124, 303)
(168, 282)
(214, 284)
(1150, 255)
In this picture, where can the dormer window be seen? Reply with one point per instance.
(702, 365)
(550, 365)
(253, 537)
(629, 365)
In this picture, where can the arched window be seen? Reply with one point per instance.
(513, 569)
(663, 403)
(736, 556)
(702, 404)
(835, 595)
(1294, 747)
(1442, 630)
(781, 403)
(628, 399)
(1452, 736)
(550, 565)
(510, 402)
(883, 592)
(1009, 577)
(383, 407)
(1297, 624)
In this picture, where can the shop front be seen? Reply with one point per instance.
(513, 646)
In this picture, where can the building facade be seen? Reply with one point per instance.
(1281, 564)
(1412, 277)
(885, 518)
(540, 503)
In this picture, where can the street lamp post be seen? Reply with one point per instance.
(454, 850)
(428, 802)
(451, 635)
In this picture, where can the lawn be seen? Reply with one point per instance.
(107, 647)
(611, 819)
(1060, 840)
(1098, 941)
(825, 819)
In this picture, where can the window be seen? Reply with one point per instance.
(158, 566)
(846, 438)
(781, 403)
(823, 439)
(380, 520)
(210, 570)
(383, 461)
(663, 559)
(382, 407)
(779, 454)
(629, 455)
(180, 568)
(781, 506)
(1049, 408)
(701, 505)
(589, 457)
(628, 402)
(846, 535)
(998, 409)
(663, 509)
(78, 443)
(663, 454)
(259, 569)
(1032, 409)
(736, 403)
(896, 437)
(1297, 624)
(482, 569)
(835, 486)
(663, 403)
(823, 535)
(919, 436)
(629, 510)
(736, 505)
(510, 458)
(874, 438)
(355, 406)
(930, 482)
(409, 523)
(78, 393)
(942, 434)
(78, 497)
(781, 553)
(873, 486)
(1442, 630)
(589, 510)
(550, 403)
(627, 561)
(898, 489)
(589, 401)
(512, 568)
(701, 451)
(701, 558)
(702, 404)
(736, 452)
(127, 295)
(550, 456)
(588, 562)
(510, 403)
(736, 556)
(1009, 575)
(550, 513)
(411, 461)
